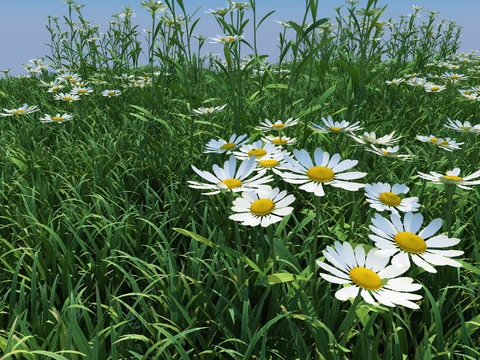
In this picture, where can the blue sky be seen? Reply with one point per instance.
(24, 35)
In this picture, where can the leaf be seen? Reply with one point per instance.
(278, 278)
(276, 86)
(197, 237)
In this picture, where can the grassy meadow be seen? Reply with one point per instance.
(322, 240)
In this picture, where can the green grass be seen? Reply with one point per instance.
(107, 253)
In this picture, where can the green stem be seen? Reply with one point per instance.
(272, 250)
(346, 322)
(428, 172)
(449, 191)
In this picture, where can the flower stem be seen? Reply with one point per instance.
(272, 250)
(449, 191)
(346, 322)
(428, 172)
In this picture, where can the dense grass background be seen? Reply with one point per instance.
(106, 253)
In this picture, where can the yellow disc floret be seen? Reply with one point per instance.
(389, 198)
(257, 152)
(320, 174)
(228, 146)
(262, 207)
(268, 163)
(232, 183)
(410, 242)
(365, 278)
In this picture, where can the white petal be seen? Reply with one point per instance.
(334, 279)
(441, 241)
(431, 228)
(360, 255)
(350, 175)
(318, 156)
(344, 165)
(374, 262)
(368, 298)
(347, 292)
(412, 222)
(445, 252)
(439, 260)
(392, 271)
(401, 260)
(423, 264)
(303, 157)
(386, 253)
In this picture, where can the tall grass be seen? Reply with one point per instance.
(107, 253)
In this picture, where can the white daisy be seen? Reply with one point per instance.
(279, 141)
(208, 111)
(110, 93)
(335, 127)
(366, 273)
(226, 179)
(267, 125)
(58, 119)
(82, 91)
(24, 110)
(385, 197)
(392, 237)
(429, 87)
(394, 82)
(273, 160)
(446, 143)
(226, 39)
(371, 138)
(388, 152)
(465, 127)
(326, 170)
(55, 88)
(67, 97)
(264, 206)
(258, 150)
(220, 146)
(452, 178)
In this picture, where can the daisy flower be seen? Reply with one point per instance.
(221, 12)
(67, 97)
(276, 140)
(327, 170)
(337, 127)
(227, 39)
(371, 138)
(452, 178)
(267, 125)
(256, 149)
(416, 82)
(366, 273)
(59, 119)
(239, 5)
(429, 87)
(24, 110)
(226, 179)
(124, 77)
(82, 90)
(388, 152)
(446, 144)
(66, 77)
(465, 127)
(385, 197)
(220, 146)
(392, 237)
(394, 82)
(55, 88)
(263, 207)
(454, 77)
(111, 93)
(208, 111)
(273, 160)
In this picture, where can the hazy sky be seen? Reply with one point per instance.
(24, 35)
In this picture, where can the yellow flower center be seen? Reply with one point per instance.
(79, 85)
(57, 118)
(410, 242)
(335, 128)
(19, 111)
(67, 98)
(257, 152)
(68, 77)
(390, 199)
(385, 152)
(232, 183)
(451, 177)
(434, 140)
(467, 93)
(454, 67)
(464, 128)
(320, 174)
(279, 141)
(262, 207)
(394, 82)
(228, 146)
(111, 93)
(454, 77)
(268, 163)
(277, 126)
(82, 91)
(56, 88)
(434, 88)
(365, 278)
(227, 39)
(73, 80)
